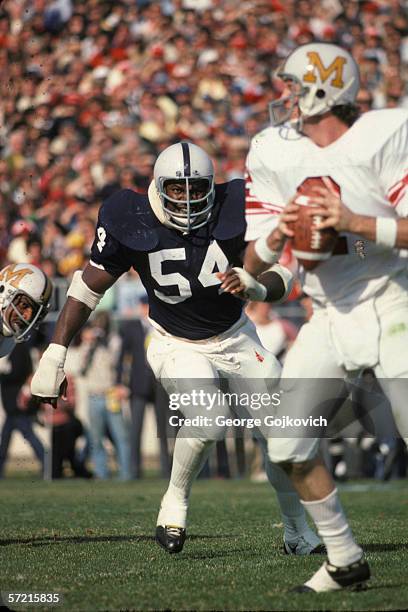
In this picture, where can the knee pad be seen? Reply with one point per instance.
(292, 450)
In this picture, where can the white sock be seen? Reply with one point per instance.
(293, 513)
(189, 457)
(334, 530)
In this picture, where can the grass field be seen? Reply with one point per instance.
(93, 542)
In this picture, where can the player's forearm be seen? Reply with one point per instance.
(73, 316)
(371, 229)
(363, 226)
(253, 263)
(264, 252)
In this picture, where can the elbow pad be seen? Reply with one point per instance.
(287, 279)
(79, 290)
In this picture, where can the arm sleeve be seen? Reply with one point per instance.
(391, 165)
(108, 254)
(263, 200)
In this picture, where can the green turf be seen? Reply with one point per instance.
(93, 542)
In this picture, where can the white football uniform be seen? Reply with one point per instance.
(360, 303)
(237, 356)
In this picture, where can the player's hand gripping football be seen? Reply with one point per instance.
(331, 207)
(288, 216)
(49, 381)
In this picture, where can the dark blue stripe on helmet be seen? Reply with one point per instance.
(186, 159)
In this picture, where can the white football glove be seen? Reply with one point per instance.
(253, 291)
(46, 382)
(256, 292)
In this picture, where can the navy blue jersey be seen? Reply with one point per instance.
(176, 269)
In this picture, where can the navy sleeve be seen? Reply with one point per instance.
(108, 253)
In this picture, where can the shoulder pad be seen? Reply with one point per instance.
(128, 217)
(229, 220)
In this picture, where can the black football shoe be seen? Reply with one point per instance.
(302, 547)
(171, 538)
(332, 578)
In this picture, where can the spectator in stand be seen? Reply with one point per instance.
(66, 429)
(364, 100)
(143, 389)
(14, 372)
(98, 354)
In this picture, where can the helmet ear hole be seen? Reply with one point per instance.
(2, 288)
(320, 93)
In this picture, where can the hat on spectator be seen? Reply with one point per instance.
(180, 71)
(101, 72)
(208, 56)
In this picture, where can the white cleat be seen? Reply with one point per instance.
(331, 578)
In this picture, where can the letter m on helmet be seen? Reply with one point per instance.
(13, 276)
(336, 67)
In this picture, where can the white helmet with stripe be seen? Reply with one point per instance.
(188, 165)
(25, 293)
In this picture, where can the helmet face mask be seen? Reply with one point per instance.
(21, 315)
(184, 179)
(325, 75)
(188, 212)
(25, 293)
(286, 108)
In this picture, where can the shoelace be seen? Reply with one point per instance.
(174, 531)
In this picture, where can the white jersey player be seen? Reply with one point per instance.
(372, 178)
(359, 294)
(25, 293)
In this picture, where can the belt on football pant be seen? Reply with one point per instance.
(341, 246)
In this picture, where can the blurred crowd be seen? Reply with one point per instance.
(93, 91)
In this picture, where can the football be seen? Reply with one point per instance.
(309, 245)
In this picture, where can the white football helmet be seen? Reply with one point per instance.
(323, 76)
(25, 293)
(185, 163)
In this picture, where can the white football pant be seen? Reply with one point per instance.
(337, 343)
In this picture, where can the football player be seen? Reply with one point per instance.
(360, 302)
(179, 237)
(25, 293)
